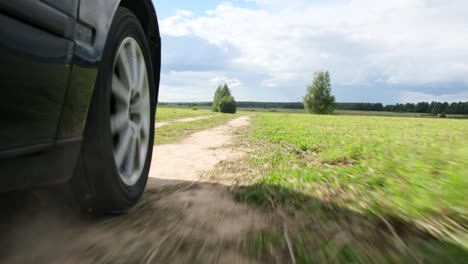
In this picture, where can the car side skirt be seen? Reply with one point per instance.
(54, 165)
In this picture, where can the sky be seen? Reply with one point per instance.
(383, 51)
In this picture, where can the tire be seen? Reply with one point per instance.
(116, 154)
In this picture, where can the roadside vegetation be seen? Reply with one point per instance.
(458, 109)
(223, 101)
(338, 111)
(172, 113)
(359, 189)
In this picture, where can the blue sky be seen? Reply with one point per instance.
(267, 50)
(167, 8)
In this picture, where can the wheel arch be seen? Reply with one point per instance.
(146, 14)
(96, 18)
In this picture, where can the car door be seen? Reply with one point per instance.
(36, 49)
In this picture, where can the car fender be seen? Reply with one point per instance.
(93, 24)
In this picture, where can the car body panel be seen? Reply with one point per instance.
(97, 17)
(43, 15)
(35, 66)
(69, 7)
(49, 62)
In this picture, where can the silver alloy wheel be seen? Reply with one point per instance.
(130, 111)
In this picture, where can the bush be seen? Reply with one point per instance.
(194, 108)
(221, 91)
(227, 104)
(443, 115)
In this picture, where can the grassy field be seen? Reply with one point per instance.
(351, 112)
(349, 188)
(406, 167)
(394, 114)
(404, 177)
(170, 113)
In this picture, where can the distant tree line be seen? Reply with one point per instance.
(271, 105)
(261, 105)
(435, 108)
(360, 106)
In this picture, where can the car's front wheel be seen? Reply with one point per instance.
(118, 139)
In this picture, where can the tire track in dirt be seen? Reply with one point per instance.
(179, 219)
(199, 152)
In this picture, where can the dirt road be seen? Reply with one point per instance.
(198, 153)
(179, 220)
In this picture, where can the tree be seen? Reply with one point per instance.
(223, 95)
(444, 107)
(221, 91)
(377, 107)
(318, 98)
(437, 108)
(422, 107)
(228, 105)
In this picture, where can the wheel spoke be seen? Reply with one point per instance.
(119, 122)
(124, 66)
(122, 148)
(134, 61)
(130, 162)
(141, 76)
(137, 153)
(119, 90)
(137, 106)
(144, 129)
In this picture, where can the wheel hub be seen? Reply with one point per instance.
(130, 111)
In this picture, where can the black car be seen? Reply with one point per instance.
(79, 83)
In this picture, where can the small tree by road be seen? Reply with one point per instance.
(228, 105)
(318, 98)
(223, 100)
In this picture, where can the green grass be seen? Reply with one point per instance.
(357, 189)
(394, 114)
(415, 170)
(176, 132)
(329, 246)
(169, 113)
(349, 112)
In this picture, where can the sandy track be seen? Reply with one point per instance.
(183, 120)
(199, 152)
(179, 220)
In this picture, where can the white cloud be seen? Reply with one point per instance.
(415, 97)
(400, 42)
(231, 82)
(192, 86)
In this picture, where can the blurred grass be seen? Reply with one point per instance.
(393, 168)
(306, 244)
